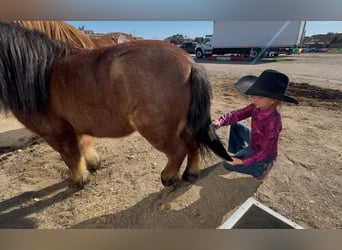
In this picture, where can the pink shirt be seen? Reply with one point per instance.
(265, 128)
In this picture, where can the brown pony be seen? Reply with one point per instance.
(62, 31)
(59, 30)
(64, 94)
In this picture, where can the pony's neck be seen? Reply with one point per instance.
(25, 67)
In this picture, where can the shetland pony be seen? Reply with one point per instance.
(65, 94)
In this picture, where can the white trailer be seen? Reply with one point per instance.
(251, 38)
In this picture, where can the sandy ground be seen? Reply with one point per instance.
(304, 185)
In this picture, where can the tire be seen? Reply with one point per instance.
(199, 53)
(257, 54)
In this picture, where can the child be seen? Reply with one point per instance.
(254, 149)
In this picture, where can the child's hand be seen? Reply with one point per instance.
(215, 123)
(235, 162)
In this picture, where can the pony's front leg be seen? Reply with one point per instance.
(68, 147)
(92, 158)
(79, 173)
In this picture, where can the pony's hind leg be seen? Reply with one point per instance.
(93, 160)
(174, 149)
(163, 132)
(175, 152)
(191, 172)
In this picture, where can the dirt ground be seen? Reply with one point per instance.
(304, 185)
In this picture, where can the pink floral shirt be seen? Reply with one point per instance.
(265, 128)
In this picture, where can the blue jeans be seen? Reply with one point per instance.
(239, 144)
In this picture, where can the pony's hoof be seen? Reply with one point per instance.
(76, 185)
(80, 181)
(170, 182)
(190, 177)
(92, 167)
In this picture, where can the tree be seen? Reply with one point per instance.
(199, 39)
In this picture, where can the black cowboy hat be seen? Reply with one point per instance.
(270, 83)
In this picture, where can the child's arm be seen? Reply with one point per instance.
(234, 116)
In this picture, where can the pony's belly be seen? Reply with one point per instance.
(105, 129)
(109, 133)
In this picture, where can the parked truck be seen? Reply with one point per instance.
(253, 39)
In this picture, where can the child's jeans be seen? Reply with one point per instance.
(239, 145)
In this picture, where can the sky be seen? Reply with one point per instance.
(163, 29)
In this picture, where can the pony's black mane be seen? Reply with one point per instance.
(26, 58)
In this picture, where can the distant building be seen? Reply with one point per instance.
(318, 41)
(88, 32)
(178, 39)
(115, 35)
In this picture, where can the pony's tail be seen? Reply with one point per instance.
(199, 118)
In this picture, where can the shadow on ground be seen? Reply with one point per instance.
(164, 210)
(30, 203)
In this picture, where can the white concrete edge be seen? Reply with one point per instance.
(233, 219)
